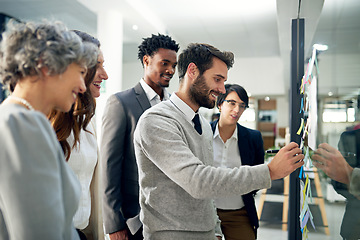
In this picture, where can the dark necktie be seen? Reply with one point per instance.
(197, 124)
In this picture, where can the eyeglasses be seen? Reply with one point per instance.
(233, 104)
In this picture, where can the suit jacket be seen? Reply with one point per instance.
(120, 172)
(251, 149)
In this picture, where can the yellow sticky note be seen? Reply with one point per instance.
(301, 126)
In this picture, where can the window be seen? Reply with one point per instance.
(249, 114)
(339, 110)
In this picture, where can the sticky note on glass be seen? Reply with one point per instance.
(301, 126)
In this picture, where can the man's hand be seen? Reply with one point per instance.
(120, 235)
(332, 163)
(287, 160)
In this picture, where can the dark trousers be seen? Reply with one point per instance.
(138, 235)
(81, 234)
(235, 225)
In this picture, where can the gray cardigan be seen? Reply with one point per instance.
(177, 179)
(39, 193)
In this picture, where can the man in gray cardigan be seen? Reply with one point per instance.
(176, 176)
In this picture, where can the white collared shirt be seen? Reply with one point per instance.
(183, 107)
(227, 155)
(82, 161)
(153, 97)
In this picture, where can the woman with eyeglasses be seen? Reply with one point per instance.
(234, 146)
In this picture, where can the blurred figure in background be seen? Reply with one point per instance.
(343, 167)
(332, 162)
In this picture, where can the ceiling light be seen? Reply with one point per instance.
(330, 94)
(320, 47)
(135, 27)
(267, 99)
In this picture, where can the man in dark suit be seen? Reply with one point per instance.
(120, 174)
(235, 146)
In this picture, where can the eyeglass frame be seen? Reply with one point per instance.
(233, 103)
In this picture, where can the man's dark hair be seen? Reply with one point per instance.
(241, 92)
(202, 55)
(151, 45)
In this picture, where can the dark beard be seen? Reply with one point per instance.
(199, 93)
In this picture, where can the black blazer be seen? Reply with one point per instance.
(119, 168)
(252, 153)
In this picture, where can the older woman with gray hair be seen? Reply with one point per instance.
(43, 65)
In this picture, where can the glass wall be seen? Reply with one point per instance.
(336, 211)
(334, 207)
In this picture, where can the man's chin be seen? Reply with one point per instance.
(209, 105)
(165, 85)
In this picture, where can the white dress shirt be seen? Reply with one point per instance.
(183, 107)
(153, 97)
(83, 159)
(227, 155)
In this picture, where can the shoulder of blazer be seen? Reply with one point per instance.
(138, 89)
(250, 145)
(127, 96)
(252, 133)
(242, 130)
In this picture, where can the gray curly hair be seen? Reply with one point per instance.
(27, 47)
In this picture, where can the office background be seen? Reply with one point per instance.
(258, 32)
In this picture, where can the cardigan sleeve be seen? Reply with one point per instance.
(31, 191)
(161, 139)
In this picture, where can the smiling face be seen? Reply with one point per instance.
(230, 110)
(206, 87)
(67, 86)
(159, 68)
(100, 75)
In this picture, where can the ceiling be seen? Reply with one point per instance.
(250, 29)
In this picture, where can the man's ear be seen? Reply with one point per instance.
(146, 60)
(192, 71)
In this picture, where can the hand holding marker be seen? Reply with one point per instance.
(272, 151)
